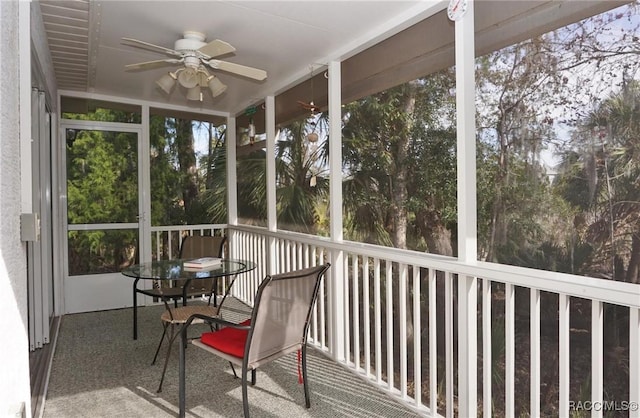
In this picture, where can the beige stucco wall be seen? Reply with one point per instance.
(14, 345)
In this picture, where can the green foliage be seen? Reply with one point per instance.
(252, 186)
(102, 184)
(299, 201)
(187, 189)
(399, 158)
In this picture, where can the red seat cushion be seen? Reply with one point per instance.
(228, 340)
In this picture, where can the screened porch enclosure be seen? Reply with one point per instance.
(473, 184)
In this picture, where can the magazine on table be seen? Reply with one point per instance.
(202, 263)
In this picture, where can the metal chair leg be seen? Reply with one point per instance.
(164, 332)
(307, 400)
(233, 369)
(182, 377)
(135, 309)
(245, 396)
(166, 360)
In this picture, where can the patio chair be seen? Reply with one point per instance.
(174, 318)
(192, 246)
(278, 326)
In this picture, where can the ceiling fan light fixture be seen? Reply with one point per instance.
(216, 86)
(188, 77)
(194, 94)
(167, 82)
(196, 56)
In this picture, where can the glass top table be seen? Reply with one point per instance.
(175, 270)
(170, 270)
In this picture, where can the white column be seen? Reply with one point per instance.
(232, 172)
(467, 236)
(337, 272)
(144, 208)
(272, 216)
(232, 185)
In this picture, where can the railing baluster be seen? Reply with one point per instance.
(448, 327)
(356, 313)
(509, 350)
(388, 283)
(433, 344)
(241, 253)
(255, 246)
(346, 324)
(367, 316)
(321, 299)
(417, 336)
(170, 246)
(597, 354)
(563, 358)
(534, 341)
(487, 402)
(378, 321)
(403, 272)
(158, 245)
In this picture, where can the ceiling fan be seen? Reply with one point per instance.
(196, 56)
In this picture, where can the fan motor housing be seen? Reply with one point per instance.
(191, 41)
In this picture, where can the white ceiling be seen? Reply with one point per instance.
(285, 38)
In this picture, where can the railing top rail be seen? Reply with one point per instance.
(610, 291)
(187, 227)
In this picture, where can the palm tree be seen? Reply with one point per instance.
(301, 186)
(616, 126)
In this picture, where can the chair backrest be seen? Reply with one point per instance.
(281, 312)
(196, 246)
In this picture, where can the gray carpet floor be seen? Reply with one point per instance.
(98, 370)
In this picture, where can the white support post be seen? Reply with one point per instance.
(338, 274)
(232, 185)
(144, 208)
(272, 220)
(467, 235)
(232, 172)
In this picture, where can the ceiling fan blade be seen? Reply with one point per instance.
(152, 64)
(216, 48)
(147, 45)
(243, 70)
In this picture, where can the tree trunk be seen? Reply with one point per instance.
(634, 261)
(187, 162)
(399, 190)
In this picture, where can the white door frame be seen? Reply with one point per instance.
(83, 293)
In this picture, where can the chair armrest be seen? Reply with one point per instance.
(215, 320)
(211, 320)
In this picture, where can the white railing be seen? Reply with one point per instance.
(166, 240)
(391, 315)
